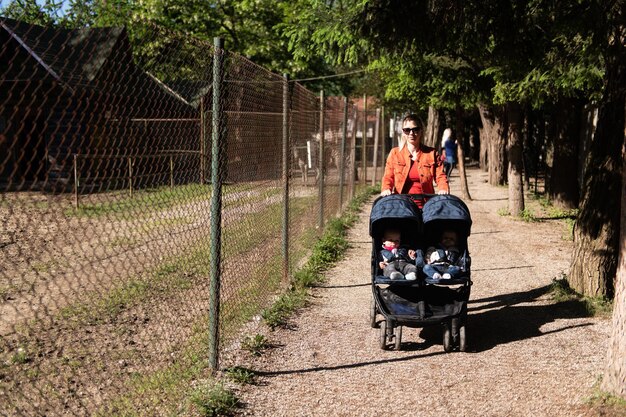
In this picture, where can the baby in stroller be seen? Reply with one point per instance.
(397, 262)
(441, 261)
(447, 224)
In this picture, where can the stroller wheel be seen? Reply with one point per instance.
(397, 333)
(382, 339)
(462, 342)
(373, 312)
(447, 337)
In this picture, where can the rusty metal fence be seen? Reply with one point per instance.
(156, 193)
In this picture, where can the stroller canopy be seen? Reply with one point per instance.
(447, 207)
(397, 209)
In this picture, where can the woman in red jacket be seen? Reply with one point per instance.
(413, 167)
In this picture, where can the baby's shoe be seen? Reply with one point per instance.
(436, 275)
(396, 275)
(411, 276)
(446, 276)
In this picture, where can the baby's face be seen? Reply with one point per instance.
(391, 240)
(448, 239)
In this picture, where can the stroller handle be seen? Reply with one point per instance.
(423, 196)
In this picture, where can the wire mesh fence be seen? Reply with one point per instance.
(156, 192)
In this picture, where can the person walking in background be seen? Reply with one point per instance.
(449, 146)
(412, 167)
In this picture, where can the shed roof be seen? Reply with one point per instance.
(72, 56)
(77, 57)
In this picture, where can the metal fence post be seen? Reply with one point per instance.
(286, 170)
(376, 139)
(130, 175)
(171, 171)
(320, 162)
(353, 166)
(217, 139)
(364, 143)
(383, 136)
(76, 181)
(342, 150)
(203, 136)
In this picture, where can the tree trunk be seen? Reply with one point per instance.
(516, 163)
(497, 157)
(483, 162)
(460, 154)
(596, 236)
(589, 119)
(540, 150)
(548, 144)
(527, 147)
(487, 134)
(431, 136)
(563, 189)
(614, 380)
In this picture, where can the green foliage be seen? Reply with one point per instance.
(328, 249)
(591, 306)
(255, 344)
(284, 307)
(213, 399)
(468, 52)
(251, 28)
(240, 375)
(20, 356)
(609, 404)
(527, 215)
(318, 27)
(503, 211)
(41, 12)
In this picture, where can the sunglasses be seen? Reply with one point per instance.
(408, 130)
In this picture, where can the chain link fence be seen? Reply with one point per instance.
(156, 193)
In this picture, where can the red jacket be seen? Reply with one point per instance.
(398, 166)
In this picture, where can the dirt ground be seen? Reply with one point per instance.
(527, 354)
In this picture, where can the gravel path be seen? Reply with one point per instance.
(527, 355)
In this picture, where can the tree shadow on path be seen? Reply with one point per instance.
(346, 366)
(501, 319)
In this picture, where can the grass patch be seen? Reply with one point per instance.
(20, 357)
(590, 306)
(213, 399)
(326, 252)
(611, 405)
(503, 211)
(6, 291)
(568, 217)
(255, 344)
(251, 194)
(550, 212)
(122, 241)
(168, 386)
(142, 201)
(527, 215)
(569, 226)
(241, 375)
(173, 275)
(284, 307)
(121, 205)
(151, 392)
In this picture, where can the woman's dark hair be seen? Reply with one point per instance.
(415, 119)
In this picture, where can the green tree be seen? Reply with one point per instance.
(43, 13)
(538, 53)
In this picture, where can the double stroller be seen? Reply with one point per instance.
(424, 301)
